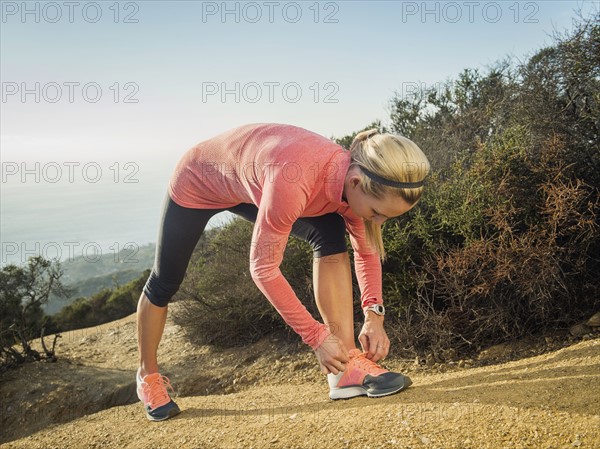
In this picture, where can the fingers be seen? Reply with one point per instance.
(332, 367)
(339, 366)
(332, 355)
(364, 342)
(375, 346)
(343, 358)
(371, 351)
(380, 350)
(340, 352)
(334, 370)
(372, 347)
(374, 341)
(367, 344)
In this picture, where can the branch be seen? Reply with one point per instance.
(49, 354)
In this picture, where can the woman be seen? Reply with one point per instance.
(289, 180)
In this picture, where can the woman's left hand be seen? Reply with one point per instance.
(373, 339)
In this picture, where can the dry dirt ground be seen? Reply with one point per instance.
(272, 395)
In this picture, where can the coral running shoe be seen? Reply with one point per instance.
(365, 377)
(152, 391)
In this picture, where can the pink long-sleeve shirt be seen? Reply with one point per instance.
(288, 172)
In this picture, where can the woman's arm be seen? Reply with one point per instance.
(282, 203)
(367, 264)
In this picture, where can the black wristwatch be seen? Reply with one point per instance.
(377, 308)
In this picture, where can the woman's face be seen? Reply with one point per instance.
(369, 207)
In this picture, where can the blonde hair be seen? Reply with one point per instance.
(392, 157)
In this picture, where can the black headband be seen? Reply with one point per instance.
(388, 182)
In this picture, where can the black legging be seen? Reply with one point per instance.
(181, 228)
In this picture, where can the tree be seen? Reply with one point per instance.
(23, 292)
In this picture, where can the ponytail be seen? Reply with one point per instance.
(397, 163)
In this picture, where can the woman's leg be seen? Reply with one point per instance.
(332, 281)
(179, 232)
(151, 321)
(332, 276)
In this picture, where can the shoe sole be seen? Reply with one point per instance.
(172, 412)
(352, 392)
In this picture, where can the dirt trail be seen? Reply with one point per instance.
(272, 395)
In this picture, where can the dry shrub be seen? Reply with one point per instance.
(532, 270)
(505, 241)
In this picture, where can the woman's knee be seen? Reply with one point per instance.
(328, 236)
(158, 291)
(329, 249)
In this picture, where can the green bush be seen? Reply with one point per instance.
(23, 292)
(105, 306)
(520, 261)
(504, 241)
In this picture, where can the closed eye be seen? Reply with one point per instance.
(377, 213)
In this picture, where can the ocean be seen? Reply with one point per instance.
(77, 217)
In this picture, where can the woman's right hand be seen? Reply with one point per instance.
(332, 355)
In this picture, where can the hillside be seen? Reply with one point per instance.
(272, 395)
(88, 276)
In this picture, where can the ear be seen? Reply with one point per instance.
(354, 181)
(354, 177)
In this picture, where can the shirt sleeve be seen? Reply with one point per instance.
(367, 264)
(282, 203)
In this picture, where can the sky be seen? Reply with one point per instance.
(145, 80)
(113, 93)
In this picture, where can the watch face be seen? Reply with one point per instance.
(378, 309)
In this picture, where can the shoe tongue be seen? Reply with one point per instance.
(149, 378)
(354, 353)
